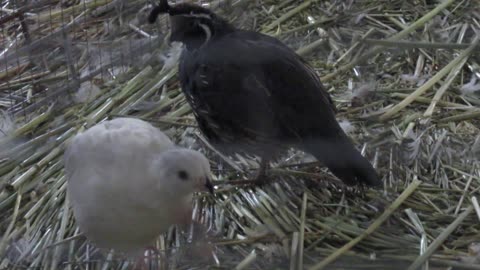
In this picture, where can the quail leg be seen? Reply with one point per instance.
(261, 176)
(148, 259)
(200, 247)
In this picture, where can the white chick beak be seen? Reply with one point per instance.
(205, 183)
(209, 185)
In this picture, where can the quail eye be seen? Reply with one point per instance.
(183, 175)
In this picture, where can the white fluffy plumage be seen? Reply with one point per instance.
(128, 183)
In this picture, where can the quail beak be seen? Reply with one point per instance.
(209, 186)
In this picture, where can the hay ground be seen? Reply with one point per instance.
(403, 73)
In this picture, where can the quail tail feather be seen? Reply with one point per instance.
(345, 162)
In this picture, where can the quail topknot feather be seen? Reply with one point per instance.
(251, 93)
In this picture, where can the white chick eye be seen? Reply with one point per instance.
(183, 175)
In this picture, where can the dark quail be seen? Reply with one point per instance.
(251, 93)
